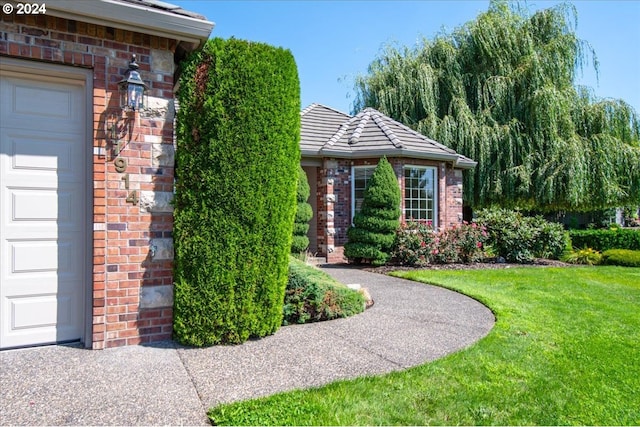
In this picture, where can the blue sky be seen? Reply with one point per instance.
(333, 41)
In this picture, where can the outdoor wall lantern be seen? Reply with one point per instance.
(132, 89)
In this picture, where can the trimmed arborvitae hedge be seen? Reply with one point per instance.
(624, 257)
(374, 227)
(602, 240)
(237, 162)
(304, 213)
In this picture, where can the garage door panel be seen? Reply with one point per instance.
(38, 151)
(45, 258)
(38, 204)
(57, 103)
(34, 311)
(42, 205)
(32, 257)
(45, 318)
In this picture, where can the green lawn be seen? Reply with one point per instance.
(565, 350)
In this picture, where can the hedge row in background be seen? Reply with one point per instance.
(624, 257)
(237, 165)
(603, 240)
(313, 296)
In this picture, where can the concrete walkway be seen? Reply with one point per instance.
(410, 324)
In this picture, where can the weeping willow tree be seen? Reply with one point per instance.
(500, 90)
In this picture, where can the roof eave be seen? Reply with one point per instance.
(461, 163)
(132, 17)
(465, 163)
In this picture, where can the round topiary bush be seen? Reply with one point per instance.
(237, 159)
(304, 213)
(374, 228)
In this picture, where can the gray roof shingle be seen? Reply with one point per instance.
(168, 7)
(326, 132)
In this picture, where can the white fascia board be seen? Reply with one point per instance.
(133, 17)
(407, 154)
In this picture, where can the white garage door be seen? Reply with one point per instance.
(43, 205)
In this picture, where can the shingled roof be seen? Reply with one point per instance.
(168, 7)
(327, 132)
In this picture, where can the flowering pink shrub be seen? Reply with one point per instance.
(413, 244)
(417, 244)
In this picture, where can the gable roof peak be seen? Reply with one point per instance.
(327, 132)
(315, 105)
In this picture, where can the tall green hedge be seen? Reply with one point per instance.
(374, 227)
(304, 213)
(237, 159)
(602, 240)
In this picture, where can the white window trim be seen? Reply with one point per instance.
(436, 198)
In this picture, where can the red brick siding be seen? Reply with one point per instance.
(122, 233)
(449, 187)
(453, 197)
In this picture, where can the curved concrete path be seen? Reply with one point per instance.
(410, 324)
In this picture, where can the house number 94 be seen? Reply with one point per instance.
(121, 166)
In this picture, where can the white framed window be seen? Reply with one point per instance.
(421, 194)
(360, 176)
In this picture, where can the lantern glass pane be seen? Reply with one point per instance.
(122, 91)
(135, 96)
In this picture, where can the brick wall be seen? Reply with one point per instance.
(334, 212)
(132, 243)
(453, 197)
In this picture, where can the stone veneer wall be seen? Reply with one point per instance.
(132, 243)
(334, 199)
(334, 207)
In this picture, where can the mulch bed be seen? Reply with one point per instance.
(538, 262)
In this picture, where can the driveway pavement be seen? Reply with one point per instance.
(410, 324)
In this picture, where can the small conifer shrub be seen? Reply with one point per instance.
(304, 213)
(374, 228)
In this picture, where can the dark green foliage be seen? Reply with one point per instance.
(622, 257)
(374, 227)
(603, 240)
(519, 238)
(304, 213)
(236, 172)
(500, 90)
(313, 296)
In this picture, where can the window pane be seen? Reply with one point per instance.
(361, 176)
(419, 193)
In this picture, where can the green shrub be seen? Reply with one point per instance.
(603, 240)
(304, 213)
(237, 165)
(519, 238)
(374, 227)
(586, 256)
(624, 257)
(313, 296)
